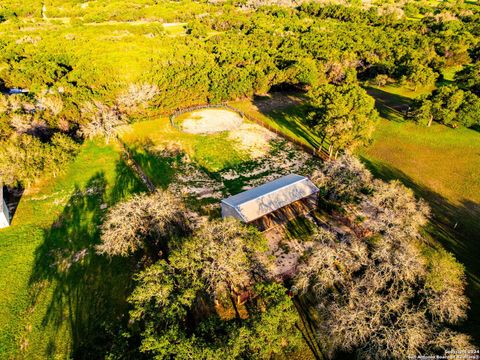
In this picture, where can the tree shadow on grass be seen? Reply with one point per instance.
(12, 197)
(285, 119)
(89, 291)
(390, 106)
(456, 227)
(476, 128)
(289, 111)
(126, 183)
(160, 168)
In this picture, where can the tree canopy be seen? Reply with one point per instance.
(345, 115)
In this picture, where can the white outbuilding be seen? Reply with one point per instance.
(4, 213)
(265, 199)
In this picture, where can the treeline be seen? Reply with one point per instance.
(90, 11)
(453, 105)
(224, 54)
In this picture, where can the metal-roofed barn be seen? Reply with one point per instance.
(268, 198)
(4, 213)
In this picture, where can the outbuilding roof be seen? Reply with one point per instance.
(264, 199)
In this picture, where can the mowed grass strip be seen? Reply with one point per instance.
(42, 260)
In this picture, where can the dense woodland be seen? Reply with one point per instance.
(77, 76)
(381, 293)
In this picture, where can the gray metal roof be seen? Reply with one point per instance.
(264, 199)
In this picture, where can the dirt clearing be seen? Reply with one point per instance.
(252, 138)
(209, 121)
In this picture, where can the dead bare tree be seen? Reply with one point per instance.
(385, 292)
(137, 94)
(343, 180)
(103, 120)
(143, 222)
(372, 299)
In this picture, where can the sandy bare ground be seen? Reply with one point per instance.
(253, 139)
(209, 121)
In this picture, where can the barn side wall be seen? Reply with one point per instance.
(4, 216)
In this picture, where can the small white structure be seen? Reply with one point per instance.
(255, 203)
(4, 213)
(16, 91)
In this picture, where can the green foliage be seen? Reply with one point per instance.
(345, 115)
(25, 159)
(450, 106)
(174, 301)
(469, 78)
(52, 226)
(445, 273)
(71, 53)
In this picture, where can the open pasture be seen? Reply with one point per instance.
(57, 294)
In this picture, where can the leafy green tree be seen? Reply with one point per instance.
(225, 254)
(421, 75)
(450, 106)
(24, 158)
(344, 115)
(469, 112)
(175, 300)
(469, 78)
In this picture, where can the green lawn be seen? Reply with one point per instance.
(213, 152)
(288, 121)
(58, 297)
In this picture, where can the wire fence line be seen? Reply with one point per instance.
(320, 153)
(135, 166)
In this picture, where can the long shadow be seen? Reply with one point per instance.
(159, 168)
(476, 127)
(390, 106)
(456, 227)
(89, 290)
(278, 100)
(283, 109)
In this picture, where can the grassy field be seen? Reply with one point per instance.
(208, 167)
(287, 120)
(213, 152)
(57, 296)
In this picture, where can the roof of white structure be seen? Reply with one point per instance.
(264, 199)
